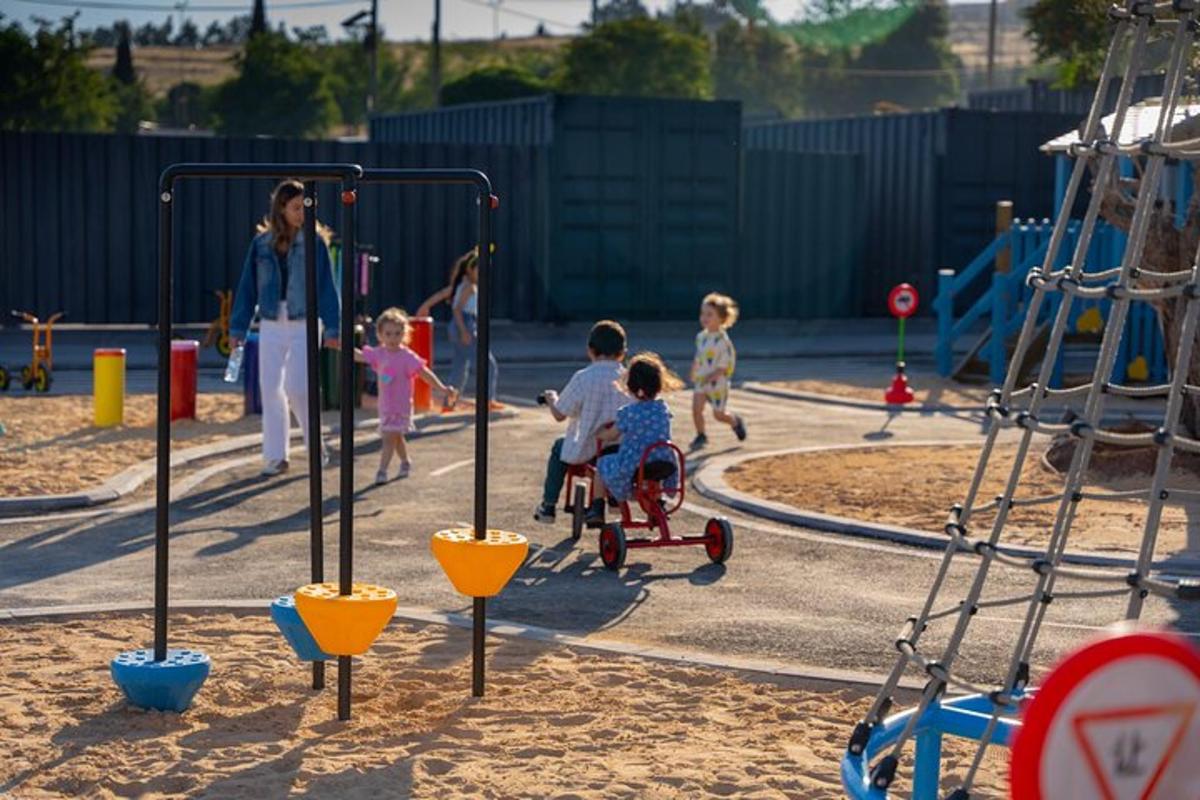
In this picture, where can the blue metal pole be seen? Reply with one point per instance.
(996, 347)
(944, 350)
(927, 769)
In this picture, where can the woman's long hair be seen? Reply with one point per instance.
(275, 223)
(458, 272)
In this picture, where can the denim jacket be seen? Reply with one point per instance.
(259, 285)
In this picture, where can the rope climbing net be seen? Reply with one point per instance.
(873, 754)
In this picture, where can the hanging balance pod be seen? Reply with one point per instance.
(345, 625)
(167, 685)
(479, 567)
(287, 619)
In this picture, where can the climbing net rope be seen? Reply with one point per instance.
(1013, 408)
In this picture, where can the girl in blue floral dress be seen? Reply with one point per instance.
(639, 424)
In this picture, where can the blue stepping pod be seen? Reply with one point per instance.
(167, 685)
(287, 619)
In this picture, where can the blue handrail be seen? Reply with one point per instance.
(966, 717)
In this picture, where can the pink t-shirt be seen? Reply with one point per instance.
(396, 370)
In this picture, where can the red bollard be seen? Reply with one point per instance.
(421, 342)
(184, 355)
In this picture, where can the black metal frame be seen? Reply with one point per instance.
(350, 176)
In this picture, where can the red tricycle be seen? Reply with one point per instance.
(657, 501)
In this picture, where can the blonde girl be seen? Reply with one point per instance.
(712, 367)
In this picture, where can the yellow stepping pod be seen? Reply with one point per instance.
(479, 567)
(345, 625)
(1138, 369)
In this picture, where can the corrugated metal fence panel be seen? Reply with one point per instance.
(930, 183)
(898, 200)
(803, 235)
(1039, 96)
(527, 121)
(644, 205)
(83, 221)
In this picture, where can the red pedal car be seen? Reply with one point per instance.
(656, 501)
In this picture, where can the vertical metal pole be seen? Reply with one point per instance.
(346, 386)
(482, 391)
(373, 89)
(163, 452)
(316, 531)
(927, 766)
(435, 60)
(991, 48)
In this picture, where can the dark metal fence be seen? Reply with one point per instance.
(80, 210)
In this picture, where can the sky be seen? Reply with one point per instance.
(401, 19)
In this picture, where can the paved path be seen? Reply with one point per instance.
(787, 594)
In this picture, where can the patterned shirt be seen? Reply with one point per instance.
(590, 399)
(641, 423)
(714, 352)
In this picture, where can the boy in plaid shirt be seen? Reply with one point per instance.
(589, 401)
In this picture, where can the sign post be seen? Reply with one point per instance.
(902, 302)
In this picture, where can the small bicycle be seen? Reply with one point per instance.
(37, 374)
(218, 330)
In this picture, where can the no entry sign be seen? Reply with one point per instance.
(902, 300)
(1116, 720)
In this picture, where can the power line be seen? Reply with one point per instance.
(107, 4)
(522, 14)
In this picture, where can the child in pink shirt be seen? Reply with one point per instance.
(397, 367)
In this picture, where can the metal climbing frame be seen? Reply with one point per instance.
(988, 713)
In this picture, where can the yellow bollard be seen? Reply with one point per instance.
(108, 387)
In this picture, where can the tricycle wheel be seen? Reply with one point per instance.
(27, 377)
(719, 545)
(4, 379)
(41, 379)
(612, 546)
(223, 345)
(578, 512)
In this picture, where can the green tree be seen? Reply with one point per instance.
(759, 66)
(280, 90)
(47, 84)
(639, 57)
(186, 105)
(1072, 34)
(258, 20)
(918, 52)
(123, 71)
(347, 67)
(496, 82)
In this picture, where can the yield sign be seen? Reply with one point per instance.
(1118, 719)
(1128, 749)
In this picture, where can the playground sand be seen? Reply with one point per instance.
(877, 485)
(51, 446)
(556, 721)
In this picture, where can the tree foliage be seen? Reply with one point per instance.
(637, 57)
(495, 82)
(47, 84)
(759, 66)
(280, 90)
(1073, 34)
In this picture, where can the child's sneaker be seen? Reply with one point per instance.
(700, 441)
(496, 405)
(545, 512)
(595, 514)
(739, 429)
(274, 468)
(405, 468)
(381, 477)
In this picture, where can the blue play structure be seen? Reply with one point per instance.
(287, 619)
(166, 685)
(1003, 301)
(966, 717)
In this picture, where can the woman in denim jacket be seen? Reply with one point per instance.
(273, 283)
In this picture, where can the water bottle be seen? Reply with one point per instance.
(233, 369)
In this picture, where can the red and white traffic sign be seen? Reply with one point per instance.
(1118, 719)
(902, 300)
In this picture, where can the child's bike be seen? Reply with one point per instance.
(37, 373)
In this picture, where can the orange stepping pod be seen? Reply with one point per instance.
(479, 567)
(345, 625)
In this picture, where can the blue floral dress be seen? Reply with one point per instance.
(641, 423)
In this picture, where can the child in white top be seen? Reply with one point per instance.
(589, 401)
(712, 367)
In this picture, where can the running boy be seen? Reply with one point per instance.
(396, 366)
(713, 366)
(590, 401)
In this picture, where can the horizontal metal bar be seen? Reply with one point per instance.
(332, 172)
(676, 542)
(472, 177)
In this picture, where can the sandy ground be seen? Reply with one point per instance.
(51, 446)
(878, 486)
(556, 722)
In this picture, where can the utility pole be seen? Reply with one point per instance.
(373, 85)
(435, 58)
(991, 51)
(595, 4)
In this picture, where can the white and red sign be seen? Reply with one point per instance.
(902, 300)
(1118, 719)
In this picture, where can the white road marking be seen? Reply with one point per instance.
(437, 473)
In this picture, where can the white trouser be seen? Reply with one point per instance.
(283, 380)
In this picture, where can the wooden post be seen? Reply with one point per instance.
(1004, 219)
